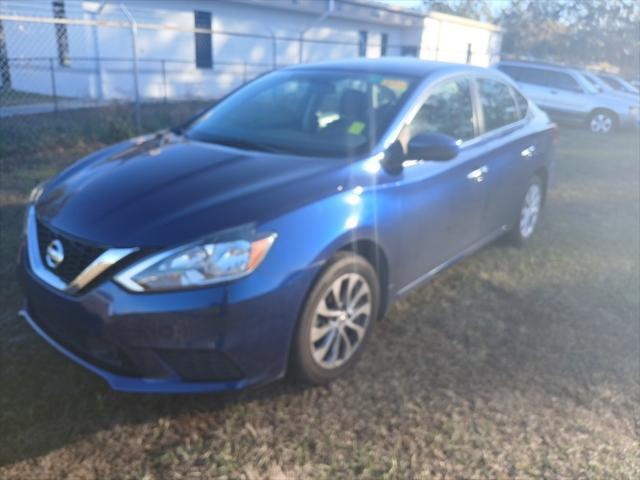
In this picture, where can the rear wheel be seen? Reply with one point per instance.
(602, 121)
(529, 213)
(336, 320)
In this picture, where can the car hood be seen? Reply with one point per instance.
(168, 189)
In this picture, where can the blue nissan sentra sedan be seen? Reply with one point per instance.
(268, 234)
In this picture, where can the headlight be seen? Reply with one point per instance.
(35, 194)
(197, 264)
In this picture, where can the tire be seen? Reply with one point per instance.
(602, 122)
(529, 213)
(319, 352)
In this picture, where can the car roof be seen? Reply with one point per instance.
(540, 65)
(389, 65)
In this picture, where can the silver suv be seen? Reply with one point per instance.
(567, 96)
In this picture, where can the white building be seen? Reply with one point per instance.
(203, 48)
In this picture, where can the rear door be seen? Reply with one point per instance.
(565, 95)
(507, 151)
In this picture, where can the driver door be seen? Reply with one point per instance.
(441, 201)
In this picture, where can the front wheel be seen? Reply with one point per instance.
(529, 212)
(336, 320)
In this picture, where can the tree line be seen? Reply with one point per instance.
(603, 33)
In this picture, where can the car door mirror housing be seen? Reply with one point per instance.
(394, 157)
(433, 146)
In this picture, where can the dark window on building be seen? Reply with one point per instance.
(409, 51)
(362, 43)
(498, 105)
(204, 44)
(62, 37)
(384, 42)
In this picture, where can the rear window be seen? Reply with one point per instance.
(498, 104)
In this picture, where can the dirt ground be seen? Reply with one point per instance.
(514, 363)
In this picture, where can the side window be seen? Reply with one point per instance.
(563, 81)
(513, 72)
(448, 110)
(532, 76)
(498, 106)
(523, 104)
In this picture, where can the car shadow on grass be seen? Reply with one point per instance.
(436, 340)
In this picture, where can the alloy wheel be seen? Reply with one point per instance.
(340, 321)
(530, 210)
(601, 123)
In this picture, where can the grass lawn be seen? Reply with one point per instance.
(521, 363)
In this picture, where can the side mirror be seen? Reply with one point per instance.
(433, 146)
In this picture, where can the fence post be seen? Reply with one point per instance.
(5, 69)
(274, 48)
(134, 47)
(468, 53)
(54, 90)
(164, 80)
(244, 72)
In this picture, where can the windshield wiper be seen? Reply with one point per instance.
(241, 143)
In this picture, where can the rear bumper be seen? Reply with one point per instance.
(206, 340)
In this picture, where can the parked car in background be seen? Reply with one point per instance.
(568, 97)
(270, 232)
(604, 87)
(618, 83)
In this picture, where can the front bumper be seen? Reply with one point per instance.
(215, 339)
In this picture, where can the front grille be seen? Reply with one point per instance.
(77, 255)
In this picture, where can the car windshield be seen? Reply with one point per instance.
(316, 113)
(619, 84)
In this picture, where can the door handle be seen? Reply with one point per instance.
(553, 92)
(477, 175)
(528, 152)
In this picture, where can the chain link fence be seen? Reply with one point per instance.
(101, 74)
